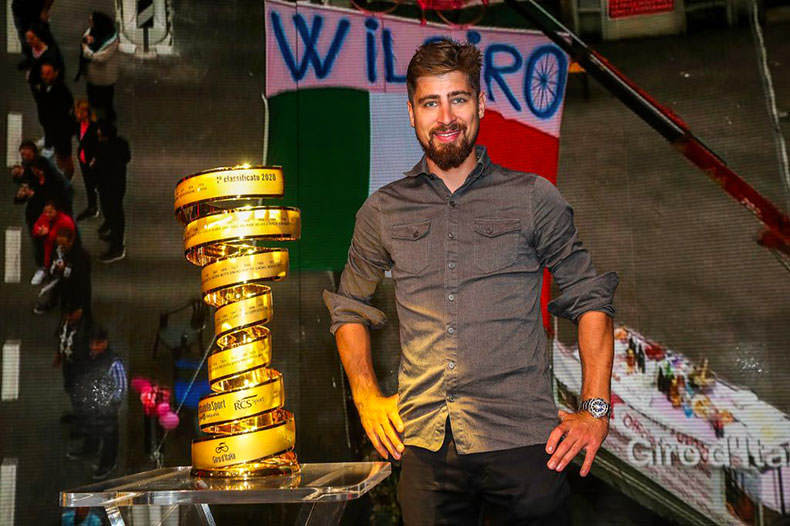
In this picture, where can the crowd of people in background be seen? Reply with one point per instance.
(94, 377)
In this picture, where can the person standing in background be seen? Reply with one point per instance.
(112, 156)
(86, 149)
(55, 113)
(73, 336)
(42, 49)
(40, 182)
(71, 274)
(100, 386)
(26, 13)
(49, 223)
(99, 62)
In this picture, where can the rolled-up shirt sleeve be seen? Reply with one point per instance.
(367, 261)
(558, 248)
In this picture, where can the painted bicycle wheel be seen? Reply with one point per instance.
(375, 7)
(545, 81)
(460, 14)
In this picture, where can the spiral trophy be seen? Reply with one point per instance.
(226, 228)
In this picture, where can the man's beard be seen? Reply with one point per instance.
(448, 155)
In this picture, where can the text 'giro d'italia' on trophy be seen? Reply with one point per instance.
(226, 227)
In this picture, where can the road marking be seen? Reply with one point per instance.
(13, 254)
(12, 39)
(10, 376)
(13, 138)
(8, 491)
(146, 14)
(160, 36)
(770, 100)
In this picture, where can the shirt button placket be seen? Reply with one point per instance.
(451, 283)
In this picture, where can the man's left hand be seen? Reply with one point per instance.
(581, 431)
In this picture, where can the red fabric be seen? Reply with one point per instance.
(61, 221)
(519, 147)
(83, 128)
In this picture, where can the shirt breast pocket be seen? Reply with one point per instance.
(496, 242)
(410, 243)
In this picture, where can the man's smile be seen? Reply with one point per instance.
(447, 135)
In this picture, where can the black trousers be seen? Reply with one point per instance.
(509, 487)
(91, 189)
(101, 436)
(111, 195)
(100, 99)
(58, 137)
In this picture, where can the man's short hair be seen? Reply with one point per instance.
(27, 144)
(443, 56)
(39, 29)
(98, 333)
(50, 63)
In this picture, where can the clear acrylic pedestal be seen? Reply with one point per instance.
(322, 489)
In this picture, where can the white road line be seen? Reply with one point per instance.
(8, 491)
(12, 40)
(770, 100)
(10, 375)
(13, 254)
(13, 138)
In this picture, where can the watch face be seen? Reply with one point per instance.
(598, 407)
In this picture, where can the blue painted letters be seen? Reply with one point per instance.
(370, 44)
(493, 72)
(310, 39)
(532, 79)
(389, 59)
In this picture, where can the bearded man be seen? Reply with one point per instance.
(474, 421)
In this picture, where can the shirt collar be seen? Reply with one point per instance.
(483, 161)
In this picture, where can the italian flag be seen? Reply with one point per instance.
(338, 121)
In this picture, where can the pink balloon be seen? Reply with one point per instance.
(147, 399)
(169, 420)
(141, 384)
(162, 408)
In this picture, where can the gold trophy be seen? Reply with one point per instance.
(226, 227)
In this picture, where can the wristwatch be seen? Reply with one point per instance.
(597, 407)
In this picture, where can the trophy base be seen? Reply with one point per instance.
(276, 465)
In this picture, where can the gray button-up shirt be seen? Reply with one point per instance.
(468, 269)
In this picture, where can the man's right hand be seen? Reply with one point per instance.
(382, 423)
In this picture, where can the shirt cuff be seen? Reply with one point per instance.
(344, 310)
(591, 294)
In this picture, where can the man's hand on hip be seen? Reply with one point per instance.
(379, 415)
(581, 431)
